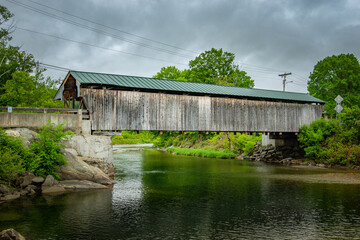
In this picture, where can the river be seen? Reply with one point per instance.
(161, 196)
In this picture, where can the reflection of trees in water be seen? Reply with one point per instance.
(66, 216)
(212, 198)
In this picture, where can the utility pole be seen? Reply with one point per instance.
(284, 81)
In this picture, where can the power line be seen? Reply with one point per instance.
(53, 67)
(284, 81)
(98, 30)
(112, 28)
(95, 46)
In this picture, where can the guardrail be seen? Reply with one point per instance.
(85, 113)
(69, 110)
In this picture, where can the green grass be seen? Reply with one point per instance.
(129, 137)
(202, 153)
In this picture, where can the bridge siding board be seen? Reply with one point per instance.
(130, 110)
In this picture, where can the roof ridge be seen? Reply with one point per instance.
(209, 84)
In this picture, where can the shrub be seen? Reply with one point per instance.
(12, 153)
(46, 150)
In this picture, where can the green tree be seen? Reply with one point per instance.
(5, 16)
(336, 75)
(18, 91)
(214, 67)
(217, 67)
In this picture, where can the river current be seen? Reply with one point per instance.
(161, 196)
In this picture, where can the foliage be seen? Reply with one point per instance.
(245, 143)
(12, 154)
(332, 142)
(209, 142)
(5, 16)
(17, 86)
(214, 67)
(46, 149)
(336, 75)
(202, 153)
(218, 67)
(172, 73)
(129, 137)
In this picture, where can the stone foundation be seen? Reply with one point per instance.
(279, 154)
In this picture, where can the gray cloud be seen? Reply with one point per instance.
(268, 37)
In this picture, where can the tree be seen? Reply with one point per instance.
(336, 75)
(12, 59)
(5, 16)
(169, 73)
(214, 67)
(218, 67)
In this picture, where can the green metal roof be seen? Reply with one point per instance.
(190, 87)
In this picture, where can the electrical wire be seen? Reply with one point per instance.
(112, 28)
(96, 46)
(98, 30)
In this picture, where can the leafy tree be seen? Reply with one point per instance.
(218, 67)
(18, 91)
(169, 73)
(214, 67)
(5, 16)
(336, 75)
(12, 59)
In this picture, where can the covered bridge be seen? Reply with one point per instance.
(118, 102)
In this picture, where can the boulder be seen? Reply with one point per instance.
(92, 146)
(26, 134)
(12, 133)
(52, 189)
(77, 169)
(80, 185)
(9, 197)
(49, 181)
(10, 234)
(107, 168)
(4, 189)
(27, 179)
(38, 180)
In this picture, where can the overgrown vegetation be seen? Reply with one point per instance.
(42, 158)
(12, 155)
(202, 153)
(329, 141)
(46, 150)
(222, 142)
(130, 137)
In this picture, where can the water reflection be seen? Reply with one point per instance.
(161, 196)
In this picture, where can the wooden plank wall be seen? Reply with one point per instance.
(131, 110)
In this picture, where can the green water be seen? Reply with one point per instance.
(161, 196)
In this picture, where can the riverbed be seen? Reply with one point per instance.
(162, 196)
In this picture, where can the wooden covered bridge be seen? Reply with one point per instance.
(117, 102)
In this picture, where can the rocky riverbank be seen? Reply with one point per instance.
(89, 166)
(287, 155)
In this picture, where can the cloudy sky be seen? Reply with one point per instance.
(138, 37)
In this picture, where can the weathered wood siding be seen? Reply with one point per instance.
(130, 110)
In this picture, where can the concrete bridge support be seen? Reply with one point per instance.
(280, 139)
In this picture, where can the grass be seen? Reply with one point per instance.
(202, 153)
(129, 137)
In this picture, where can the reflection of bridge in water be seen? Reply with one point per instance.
(117, 102)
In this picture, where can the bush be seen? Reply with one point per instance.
(332, 142)
(46, 150)
(12, 153)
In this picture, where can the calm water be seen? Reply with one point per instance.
(161, 196)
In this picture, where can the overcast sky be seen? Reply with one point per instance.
(138, 37)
